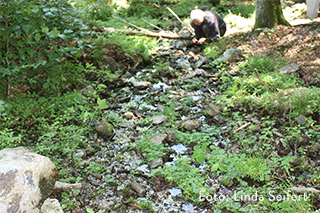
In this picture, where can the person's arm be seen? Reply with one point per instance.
(198, 31)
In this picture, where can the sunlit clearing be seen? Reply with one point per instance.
(120, 3)
(237, 23)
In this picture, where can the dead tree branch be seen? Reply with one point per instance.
(143, 33)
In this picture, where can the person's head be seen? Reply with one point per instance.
(197, 16)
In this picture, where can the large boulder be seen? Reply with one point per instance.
(26, 180)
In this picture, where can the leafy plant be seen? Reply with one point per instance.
(186, 176)
(200, 152)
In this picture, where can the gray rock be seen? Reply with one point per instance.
(171, 137)
(159, 119)
(87, 91)
(81, 153)
(191, 125)
(184, 64)
(26, 180)
(212, 109)
(66, 187)
(51, 206)
(301, 119)
(156, 162)
(105, 204)
(219, 119)
(292, 68)
(228, 54)
(200, 61)
(137, 188)
(104, 129)
(83, 164)
(110, 62)
(256, 121)
(158, 139)
(128, 115)
(141, 84)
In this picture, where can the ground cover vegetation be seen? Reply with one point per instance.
(56, 87)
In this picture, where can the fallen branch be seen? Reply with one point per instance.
(302, 190)
(149, 33)
(243, 127)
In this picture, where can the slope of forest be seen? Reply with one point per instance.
(160, 125)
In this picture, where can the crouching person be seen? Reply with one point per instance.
(208, 26)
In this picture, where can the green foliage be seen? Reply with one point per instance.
(200, 152)
(8, 139)
(205, 136)
(263, 63)
(30, 54)
(238, 166)
(145, 205)
(195, 85)
(144, 8)
(135, 46)
(211, 52)
(243, 10)
(149, 150)
(177, 173)
(68, 201)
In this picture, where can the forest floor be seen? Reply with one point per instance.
(218, 127)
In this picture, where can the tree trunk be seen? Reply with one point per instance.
(269, 14)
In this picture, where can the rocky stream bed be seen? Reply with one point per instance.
(127, 183)
(129, 177)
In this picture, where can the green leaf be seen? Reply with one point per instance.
(62, 36)
(30, 52)
(26, 28)
(44, 29)
(35, 11)
(19, 18)
(37, 37)
(200, 152)
(54, 33)
(102, 103)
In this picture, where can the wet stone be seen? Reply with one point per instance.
(159, 119)
(137, 188)
(105, 129)
(301, 119)
(219, 119)
(128, 115)
(158, 139)
(141, 84)
(212, 109)
(110, 62)
(292, 68)
(156, 162)
(191, 125)
(83, 164)
(80, 153)
(171, 137)
(256, 120)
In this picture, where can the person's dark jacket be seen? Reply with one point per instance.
(213, 27)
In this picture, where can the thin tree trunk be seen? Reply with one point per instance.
(269, 14)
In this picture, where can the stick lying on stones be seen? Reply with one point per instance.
(149, 34)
